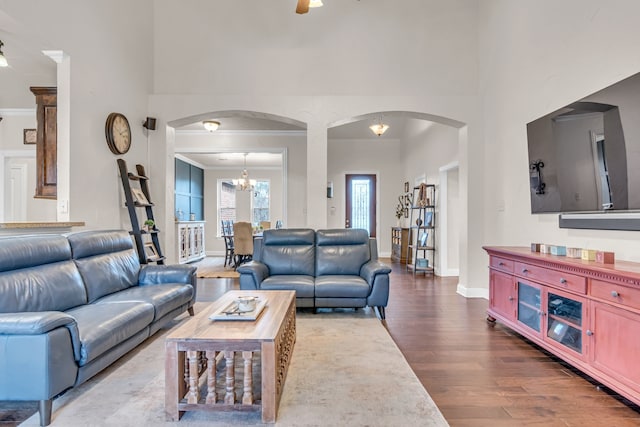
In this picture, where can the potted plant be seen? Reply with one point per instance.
(148, 225)
(399, 213)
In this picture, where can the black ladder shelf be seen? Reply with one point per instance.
(422, 239)
(138, 197)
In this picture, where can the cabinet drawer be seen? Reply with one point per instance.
(558, 279)
(618, 294)
(502, 264)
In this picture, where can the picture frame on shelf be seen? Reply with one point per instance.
(150, 250)
(428, 217)
(139, 197)
(29, 136)
(423, 239)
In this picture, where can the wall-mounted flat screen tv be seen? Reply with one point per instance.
(585, 157)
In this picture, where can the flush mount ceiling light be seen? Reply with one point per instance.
(379, 128)
(211, 125)
(304, 5)
(3, 60)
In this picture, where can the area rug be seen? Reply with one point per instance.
(344, 371)
(213, 267)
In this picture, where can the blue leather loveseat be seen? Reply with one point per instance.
(71, 305)
(326, 268)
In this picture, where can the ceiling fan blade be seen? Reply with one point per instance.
(303, 6)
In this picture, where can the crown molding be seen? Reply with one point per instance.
(243, 132)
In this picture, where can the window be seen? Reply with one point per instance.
(260, 202)
(227, 203)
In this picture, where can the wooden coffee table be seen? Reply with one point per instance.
(194, 350)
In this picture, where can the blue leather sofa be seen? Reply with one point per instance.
(326, 268)
(71, 305)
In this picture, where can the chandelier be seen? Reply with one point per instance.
(244, 183)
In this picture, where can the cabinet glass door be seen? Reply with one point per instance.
(565, 321)
(529, 306)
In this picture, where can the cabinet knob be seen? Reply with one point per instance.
(524, 270)
(501, 264)
(589, 333)
(510, 298)
(563, 280)
(615, 294)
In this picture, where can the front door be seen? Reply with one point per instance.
(361, 202)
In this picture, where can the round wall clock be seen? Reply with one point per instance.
(118, 133)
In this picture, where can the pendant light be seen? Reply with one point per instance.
(379, 128)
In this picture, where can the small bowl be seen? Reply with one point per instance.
(246, 304)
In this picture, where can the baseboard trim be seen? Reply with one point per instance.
(214, 253)
(451, 272)
(472, 292)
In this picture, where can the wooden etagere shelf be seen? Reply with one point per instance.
(138, 198)
(420, 251)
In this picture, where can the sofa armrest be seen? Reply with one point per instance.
(252, 274)
(152, 274)
(39, 323)
(371, 269)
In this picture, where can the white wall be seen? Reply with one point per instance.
(453, 219)
(380, 157)
(537, 57)
(263, 48)
(428, 146)
(111, 70)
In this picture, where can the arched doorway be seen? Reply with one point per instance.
(413, 149)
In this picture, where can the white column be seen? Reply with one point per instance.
(316, 210)
(474, 278)
(63, 148)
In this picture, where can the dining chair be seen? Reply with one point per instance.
(243, 242)
(227, 235)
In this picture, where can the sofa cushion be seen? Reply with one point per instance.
(289, 251)
(303, 285)
(341, 251)
(104, 326)
(164, 298)
(37, 274)
(342, 286)
(106, 260)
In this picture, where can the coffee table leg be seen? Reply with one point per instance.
(247, 395)
(172, 376)
(269, 397)
(230, 396)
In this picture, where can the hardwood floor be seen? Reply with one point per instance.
(477, 374)
(483, 375)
